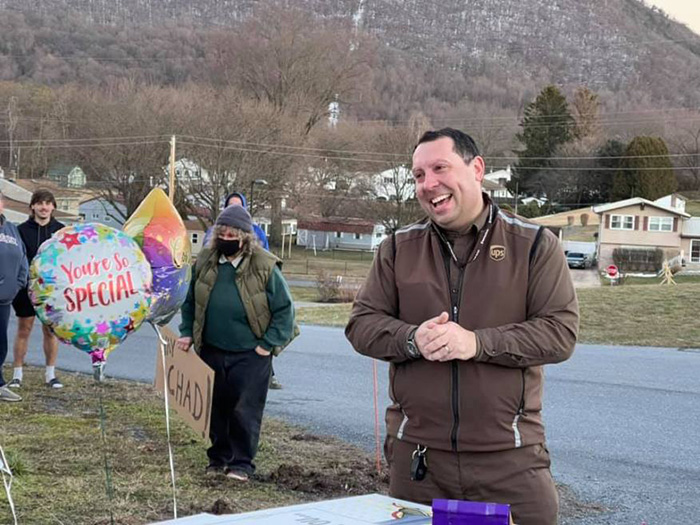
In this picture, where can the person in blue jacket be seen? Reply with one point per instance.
(13, 277)
(236, 198)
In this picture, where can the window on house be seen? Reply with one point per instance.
(695, 251)
(660, 224)
(622, 222)
(195, 238)
(358, 236)
(378, 235)
(95, 215)
(107, 218)
(338, 235)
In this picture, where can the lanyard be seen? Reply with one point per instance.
(476, 251)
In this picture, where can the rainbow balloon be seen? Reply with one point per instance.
(158, 229)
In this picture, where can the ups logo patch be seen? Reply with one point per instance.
(498, 253)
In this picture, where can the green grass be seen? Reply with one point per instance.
(54, 447)
(305, 294)
(619, 315)
(579, 233)
(348, 264)
(640, 315)
(330, 315)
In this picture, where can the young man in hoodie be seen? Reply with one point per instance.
(13, 269)
(40, 226)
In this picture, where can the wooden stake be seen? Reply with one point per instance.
(172, 169)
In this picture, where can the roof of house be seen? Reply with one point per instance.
(195, 225)
(336, 224)
(637, 201)
(489, 185)
(58, 191)
(562, 218)
(89, 198)
(23, 207)
(60, 170)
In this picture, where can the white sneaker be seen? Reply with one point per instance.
(8, 395)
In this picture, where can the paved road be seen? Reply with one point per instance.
(623, 423)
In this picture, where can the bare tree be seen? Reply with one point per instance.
(294, 65)
(394, 202)
(687, 144)
(120, 137)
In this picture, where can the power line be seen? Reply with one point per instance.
(220, 143)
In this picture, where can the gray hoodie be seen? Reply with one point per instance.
(13, 261)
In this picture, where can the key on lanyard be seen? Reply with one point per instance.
(419, 464)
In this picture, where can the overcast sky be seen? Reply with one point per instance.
(685, 11)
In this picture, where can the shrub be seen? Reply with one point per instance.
(327, 286)
(638, 259)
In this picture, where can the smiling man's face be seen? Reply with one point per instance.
(447, 187)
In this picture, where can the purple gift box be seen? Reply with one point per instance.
(456, 512)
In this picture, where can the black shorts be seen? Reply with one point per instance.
(23, 305)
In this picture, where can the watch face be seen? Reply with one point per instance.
(412, 348)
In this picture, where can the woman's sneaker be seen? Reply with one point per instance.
(8, 395)
(15, 383)
(236, 474)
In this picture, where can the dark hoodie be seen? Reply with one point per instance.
(34, 235)
(13, 261)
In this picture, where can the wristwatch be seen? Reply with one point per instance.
(411, 347)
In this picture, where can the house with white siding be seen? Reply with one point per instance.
(643, 224)
(339, 233)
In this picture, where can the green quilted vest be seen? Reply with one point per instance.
(252, 275)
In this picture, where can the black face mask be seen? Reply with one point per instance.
(228, 248)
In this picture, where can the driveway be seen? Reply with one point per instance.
(585, 278)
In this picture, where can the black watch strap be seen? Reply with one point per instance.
(411, 346)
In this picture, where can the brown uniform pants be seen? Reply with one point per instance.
(519, 477)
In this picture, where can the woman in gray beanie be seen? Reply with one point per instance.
(238, 313)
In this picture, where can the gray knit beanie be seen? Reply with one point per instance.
(236, 217)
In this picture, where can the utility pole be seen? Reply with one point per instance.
(11, 125)
(172, 169)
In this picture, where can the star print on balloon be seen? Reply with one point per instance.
(158, 229)
(69, 239)
(91, 284)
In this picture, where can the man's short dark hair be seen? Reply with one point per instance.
(42, 195)
(464, 145)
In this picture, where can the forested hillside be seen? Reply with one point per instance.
(429, 54)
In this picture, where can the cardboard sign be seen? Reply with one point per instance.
(190, 383)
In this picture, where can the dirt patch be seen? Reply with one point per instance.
(570, 507)
(305, 437)
(331, 480)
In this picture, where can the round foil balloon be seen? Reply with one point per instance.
(91, 284)
(158, 229)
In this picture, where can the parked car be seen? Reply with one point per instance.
(579, 260)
